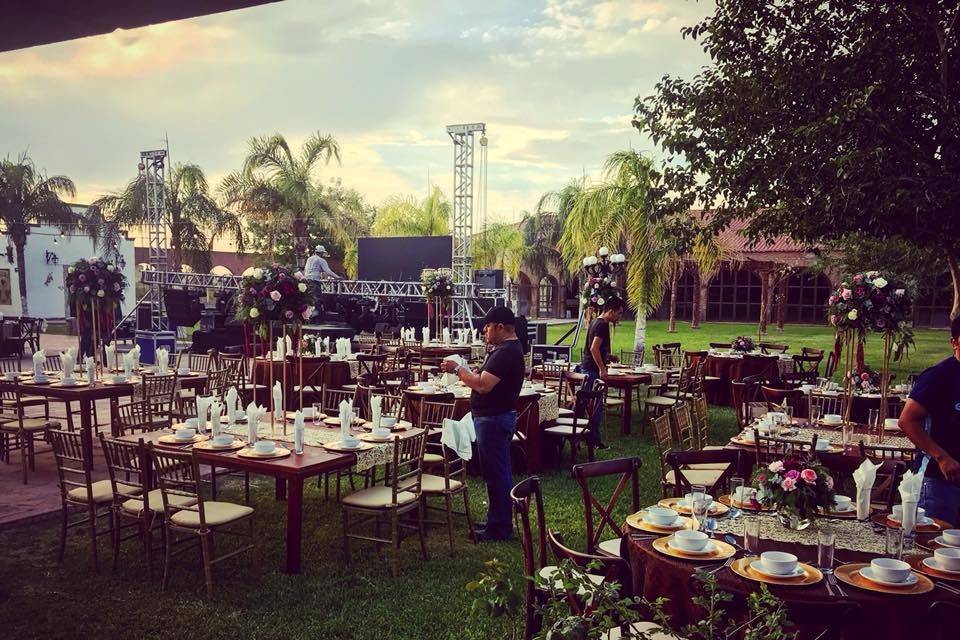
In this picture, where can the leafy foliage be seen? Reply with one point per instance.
(404, 215)
(500, 246)
(495, 594)
(871, 301)
(795, 484)
(438, 285)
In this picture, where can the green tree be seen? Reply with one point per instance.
(818, 120)
(28, 196)
(283, 188)
(196, 219)
(405, 215)
(542, 231)
(500, 246)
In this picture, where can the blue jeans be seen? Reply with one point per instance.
(941, 499)
(494, 437)
(597, 417)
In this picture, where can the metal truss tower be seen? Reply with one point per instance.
(152, 172)
(463, 202)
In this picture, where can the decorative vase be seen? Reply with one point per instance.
(789, 518)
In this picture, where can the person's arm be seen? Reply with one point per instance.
(597, 356)
(482, 382)
(912, 419)
(327, 270)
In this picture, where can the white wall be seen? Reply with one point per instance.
(46, 299)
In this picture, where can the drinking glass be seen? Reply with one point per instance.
(697, 491)
(826, 541)
(700, 511)
(317, 410)
(822, 383)
(814, 414)
(873, 419)
(894, 543)
(847, 434)
(788, 422)
(751, 534)
(736, 487)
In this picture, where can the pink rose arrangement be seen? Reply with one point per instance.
(794, 485)
(873, 302)
(274, 294)
(95, 278)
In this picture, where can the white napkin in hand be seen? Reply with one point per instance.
(458, 434)
(39, 359)
(864, 476)
(67, 360)
(232, 403)
(277, 401)
(91, 369)
(203, 407)
(253, 421)
(910, 486)
(298, 432)
(450, 379)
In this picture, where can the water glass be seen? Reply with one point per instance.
(873, 419)
(893, 547)
(788, 422)
(751, 534)
(847, 436)
(317, 409)
(700, 511)
(814, 414)
(826, 542)
(736, 493)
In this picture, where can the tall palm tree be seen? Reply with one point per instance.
(28, 196)
(617, 213)
(404, 215)
(500, 246)
(196, 219)
(283, 186)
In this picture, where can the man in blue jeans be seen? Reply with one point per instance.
(931, 419)
(496, 390)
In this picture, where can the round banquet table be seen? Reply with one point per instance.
(730, 368)
(881, 615)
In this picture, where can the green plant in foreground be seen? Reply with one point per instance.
(495, 595)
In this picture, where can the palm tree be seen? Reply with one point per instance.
(283, 187)
(28, 196)
(617, 212)
(196, 219)
(500, 246)
(404, 215)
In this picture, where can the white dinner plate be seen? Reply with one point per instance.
(920, 521)
(757, 565)
(678, 523)
(939, 540)
(868, 574)
(933, 564)
(708, 549)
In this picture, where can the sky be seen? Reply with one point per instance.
(554, 81)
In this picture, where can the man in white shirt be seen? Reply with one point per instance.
(317, 268)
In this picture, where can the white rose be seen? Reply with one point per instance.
(879, 283)
(71, 269)
(110, 267)
(852, 315)
(302, 287)
(600, 300)
(258, 273)
(100, 293)
(254, 312)
(900, 292)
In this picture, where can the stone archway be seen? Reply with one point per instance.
(548, 297)
(524, 295)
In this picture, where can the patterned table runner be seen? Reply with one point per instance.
(851, 534)
(379, 454)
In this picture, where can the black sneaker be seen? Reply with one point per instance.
(483, 536)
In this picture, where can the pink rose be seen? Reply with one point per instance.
(288, 314)
(793, 474)
(789, 484)
(864, 376)
(776, 466)
(858, 278)
(846, 294)
(762, 478)
(834, 299)
(809, 476)
(275, 296)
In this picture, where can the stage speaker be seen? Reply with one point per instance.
(489, 278)
(182, 306)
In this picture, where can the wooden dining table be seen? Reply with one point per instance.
(627, 381)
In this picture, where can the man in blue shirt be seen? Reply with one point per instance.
(931, 419)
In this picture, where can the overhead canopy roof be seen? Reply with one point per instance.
(27, 23)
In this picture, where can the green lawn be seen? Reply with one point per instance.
(41, 599)
(931, 345)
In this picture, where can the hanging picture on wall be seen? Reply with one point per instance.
(6, 296)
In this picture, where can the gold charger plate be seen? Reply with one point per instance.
(39, 384)
(636, 521)
(334, 421)
(936, 526)
(722, 552)
(278, 452)
(811, 575)
(291, 415)
(78, 383)
(338, 447)
(169, 439)
(917, 563)
(850, 573)
(852, 513)
(132, 380)
(743, 443)
(400, 425)
(730, 502)
(208, 445)
(674, 503)
(368, 437)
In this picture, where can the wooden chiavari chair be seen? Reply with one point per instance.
(158, 392)
(576, 430)
(632, 358)
(432, 415)
(449, 482)
(18, 431)
(687, 469)
(820, 404)
(771, 448)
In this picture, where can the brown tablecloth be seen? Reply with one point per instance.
(881, 616)
(728, 369)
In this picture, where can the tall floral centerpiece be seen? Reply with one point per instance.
(437, 289)
(870, 302)
(742, 344)
(796, 487)
(96, 289)
(275, 296)
(600, 279)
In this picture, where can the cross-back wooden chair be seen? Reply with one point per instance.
(773, 347)
(627, 471)
(371, 364)
(399, 496)
(600, 568)
(189, 517)
(806, 370)
(776, 398)
(533, 545)
(884, 493)
(687, 469)
(771, 448)
(576, 429)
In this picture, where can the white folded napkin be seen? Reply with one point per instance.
(163, 361)
(203, 408)
(232, 402)
(135, 354)
(287, 346)
(39, 360)
(254, 413)
(66, 358)
(216, 410)
(476, 335)
(128, 364)
(277, 401)
(326, 344)
(91, 369)
(458, 434)
(425, 332)
(376, 403)
(910, 486)
(346, 418)
(111, 350)
(446, 335)
(864, 476)
(279, 350)
(298, 432)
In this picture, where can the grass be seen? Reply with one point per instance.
(41, 599)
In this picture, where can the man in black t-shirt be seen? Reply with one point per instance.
(596, 356)
(931, 419)
(496, 389)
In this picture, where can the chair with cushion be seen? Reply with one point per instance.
(626, 471)
(576, 429)
(18, 431)
(664, 442)
(78, 491)
(188, 517)
(397, 498)
(449, 481)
